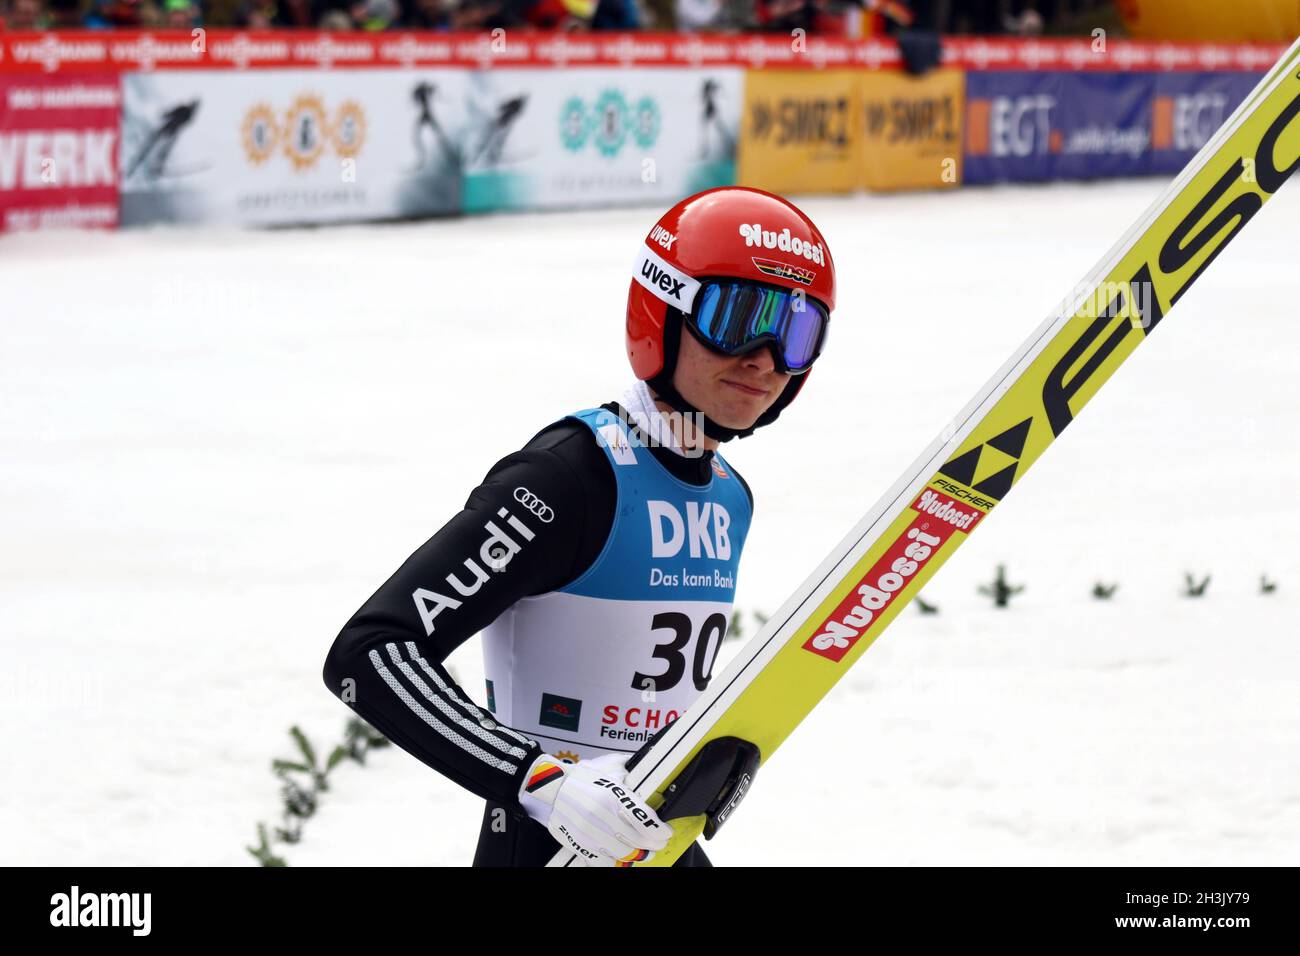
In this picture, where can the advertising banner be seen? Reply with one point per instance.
(52, 51)
(1039, 126)
(801, 132)
(1105, 125)
(1188, 109)
(911, 130)
(548, 139)
(1013, 125)
(58, 151)
(291, 146)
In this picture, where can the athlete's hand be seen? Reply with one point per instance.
(589, 810)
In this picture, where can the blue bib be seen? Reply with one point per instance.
(603, 663)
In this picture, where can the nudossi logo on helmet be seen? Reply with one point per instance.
(938, 517)
(756, 235)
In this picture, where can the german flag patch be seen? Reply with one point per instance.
(636, 856)
(543, 774)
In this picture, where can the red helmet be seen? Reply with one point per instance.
(729, 232)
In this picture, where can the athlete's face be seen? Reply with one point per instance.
(731, 390)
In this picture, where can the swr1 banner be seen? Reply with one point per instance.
(58, 151)
(800, 132)
(911, 129)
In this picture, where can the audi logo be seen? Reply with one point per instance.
(534, 504)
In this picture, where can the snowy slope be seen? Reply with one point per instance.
(217, 444)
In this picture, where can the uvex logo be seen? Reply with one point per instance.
(658, 277)
(495, 553)
(662, 237)
(1184, 244)
(703, 530)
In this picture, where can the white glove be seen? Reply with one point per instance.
(588, 809)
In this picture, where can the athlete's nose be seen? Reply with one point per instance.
(764, 359)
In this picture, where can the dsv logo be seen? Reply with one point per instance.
(534, 504)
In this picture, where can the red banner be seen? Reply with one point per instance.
(938, 516)
(58, 151)
(66, 51)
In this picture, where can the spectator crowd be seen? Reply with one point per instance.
(843, 17)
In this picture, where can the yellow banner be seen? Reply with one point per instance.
(1259, 20)
(911, 129)
(800, 132)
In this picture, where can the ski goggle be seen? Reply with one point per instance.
(736, 316)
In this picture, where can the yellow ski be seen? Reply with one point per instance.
(781, 674)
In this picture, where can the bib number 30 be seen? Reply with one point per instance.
(673, 653)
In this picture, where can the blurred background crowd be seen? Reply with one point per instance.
(838, 17)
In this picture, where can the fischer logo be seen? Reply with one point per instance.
(662, 237)
(957, 491)
(755, 235)
(938, 517)
(637, 810)
(945, 509)
(495, 554)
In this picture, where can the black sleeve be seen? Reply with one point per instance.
(386, 664)
(749, 493)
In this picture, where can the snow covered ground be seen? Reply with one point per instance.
(217, 444)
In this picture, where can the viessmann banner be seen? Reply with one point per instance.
(292, 146)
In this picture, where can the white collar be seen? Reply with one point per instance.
(642, 412)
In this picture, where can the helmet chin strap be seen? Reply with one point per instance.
(665, 390)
